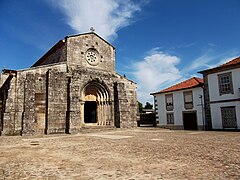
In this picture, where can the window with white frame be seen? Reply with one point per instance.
(169, 102)
(188, 99)
(170, 118)
(225, 83)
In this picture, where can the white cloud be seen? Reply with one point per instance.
(106, 16)
(224, 60)
(210, 59)
(202, 61)
(155, 71)
(159, 70)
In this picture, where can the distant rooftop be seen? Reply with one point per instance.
(190, 83)
(228, 65)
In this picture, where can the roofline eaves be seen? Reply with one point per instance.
(220, 68)
(199, 85)
(75, 35)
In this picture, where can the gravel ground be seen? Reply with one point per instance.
(141, 153)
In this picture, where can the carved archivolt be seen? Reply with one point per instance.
(95, 91)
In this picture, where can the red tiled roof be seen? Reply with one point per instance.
(232, 62)
(190, 83)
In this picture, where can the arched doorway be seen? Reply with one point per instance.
(90, 112)
(96, 107)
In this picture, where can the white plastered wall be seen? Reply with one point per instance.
(216, 100)
(178, 101)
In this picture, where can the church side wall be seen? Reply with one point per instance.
(132, 103)
(3, 78)
(127, 102)
(32, 101)
(8, 121)
(44, 107)
(57, 102)
(29, 123)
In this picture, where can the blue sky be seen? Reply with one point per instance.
(158, 42)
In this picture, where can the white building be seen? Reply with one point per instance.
(222, 95)
(181, 106)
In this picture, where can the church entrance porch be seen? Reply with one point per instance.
(96, 107)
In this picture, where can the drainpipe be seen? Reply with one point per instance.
(201, 98)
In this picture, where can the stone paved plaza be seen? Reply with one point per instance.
(140, 153)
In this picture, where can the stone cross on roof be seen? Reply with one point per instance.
(92, 29)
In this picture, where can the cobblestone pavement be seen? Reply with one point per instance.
(141, 153)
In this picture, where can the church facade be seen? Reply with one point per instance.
(73, 86)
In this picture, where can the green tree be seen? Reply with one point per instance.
(148, 106)
(140, 107)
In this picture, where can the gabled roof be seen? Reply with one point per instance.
(190, 83)
(91, 33)
(62, 42)
(234, 63)
(58, 45)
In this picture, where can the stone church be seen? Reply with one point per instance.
(71, 87)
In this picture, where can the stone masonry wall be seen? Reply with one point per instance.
(132, 103)
(50, 98)
(40, 101)
(57, 102)
(127, 102)
(79, 78)
(3, 78)
(26, 104)
(29, 123)
(74, 103)
(208, 121)
(77, 47)
(8, 122)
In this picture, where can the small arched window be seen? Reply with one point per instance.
(39, 84)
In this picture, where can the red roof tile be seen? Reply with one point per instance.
(190, 83)
(232, 62)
